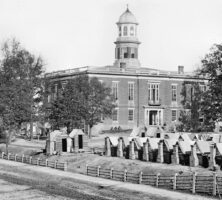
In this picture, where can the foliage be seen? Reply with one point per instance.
(82, 100)
(190, 115)
(207, 104)
(20, 85)
(211, 106)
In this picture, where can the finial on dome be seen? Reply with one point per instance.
(127, 8)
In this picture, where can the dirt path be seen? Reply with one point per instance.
(64, 183)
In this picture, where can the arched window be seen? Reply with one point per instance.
(125, 30)
(131, 31)
(120, 30)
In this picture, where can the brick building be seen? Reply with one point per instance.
(144, 96)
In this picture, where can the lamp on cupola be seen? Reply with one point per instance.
(127, 43)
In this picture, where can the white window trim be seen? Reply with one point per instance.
(117, 117)
(172, 115)
(174, 84)
(133, 96)
(133, 114)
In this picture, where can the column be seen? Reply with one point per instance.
(175, 156)
(160, 152)
(194, 161)
(120, 148)
(145, 151)
(107, 147)
(212, 163)
(132, 155)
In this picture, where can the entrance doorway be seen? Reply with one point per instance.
(64, 145)
(80, 141)
(153, 117)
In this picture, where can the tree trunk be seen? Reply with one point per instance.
(6, 147)
(90, 131)
(31, 129)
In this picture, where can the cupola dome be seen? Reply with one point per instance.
(127, 18)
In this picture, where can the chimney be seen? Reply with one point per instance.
(180, 69)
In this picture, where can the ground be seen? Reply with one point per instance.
(21, 181)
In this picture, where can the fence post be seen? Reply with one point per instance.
(86, 169)
(98, 169)
(15, 157)
(125, 175)
(3, 155)
(157, 179)
(8, 155)
(22, 158)
(30, 160)
(194, 183)
(46, 162)
(55, 164)
(140, 177)
(111, 173)
(38, 161)
(65, 166)
(175, 181)
(214, 184)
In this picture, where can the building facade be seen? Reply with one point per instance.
(144, 96)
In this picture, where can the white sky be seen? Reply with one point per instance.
(76, 33)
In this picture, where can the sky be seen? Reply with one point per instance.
(76, 33)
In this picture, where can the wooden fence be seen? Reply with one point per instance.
(194, 183)
(35, 161)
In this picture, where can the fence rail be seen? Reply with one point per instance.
(207, 184)
(35, 161)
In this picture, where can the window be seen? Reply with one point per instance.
(56, 91)
(174, 92)
(120, 30)
(64, 85)
(115, 115)
(125, 31)
(130, 114)
(131, 91)
(132, 52)
(174, 115)
(49, 98)
(131, 31)
(115, 89)
(153, 92)
(203, 88)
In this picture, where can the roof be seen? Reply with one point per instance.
(216, 138)
(171, 136)
(125, 140)
(169, 143)
(203, 146)
(52, 136)
(153, 142)
(185, 137)
(140, 140)
(114, 140)
(184, 146)
(137, 131)
(127, 18)
(76, 132)
(153, 130)
(219, 148)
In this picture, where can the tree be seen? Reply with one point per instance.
(21, 86)
(208, 103)
(211, 68)
(190, 115)
(82, 99)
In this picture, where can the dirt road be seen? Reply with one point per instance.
(46, 183)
